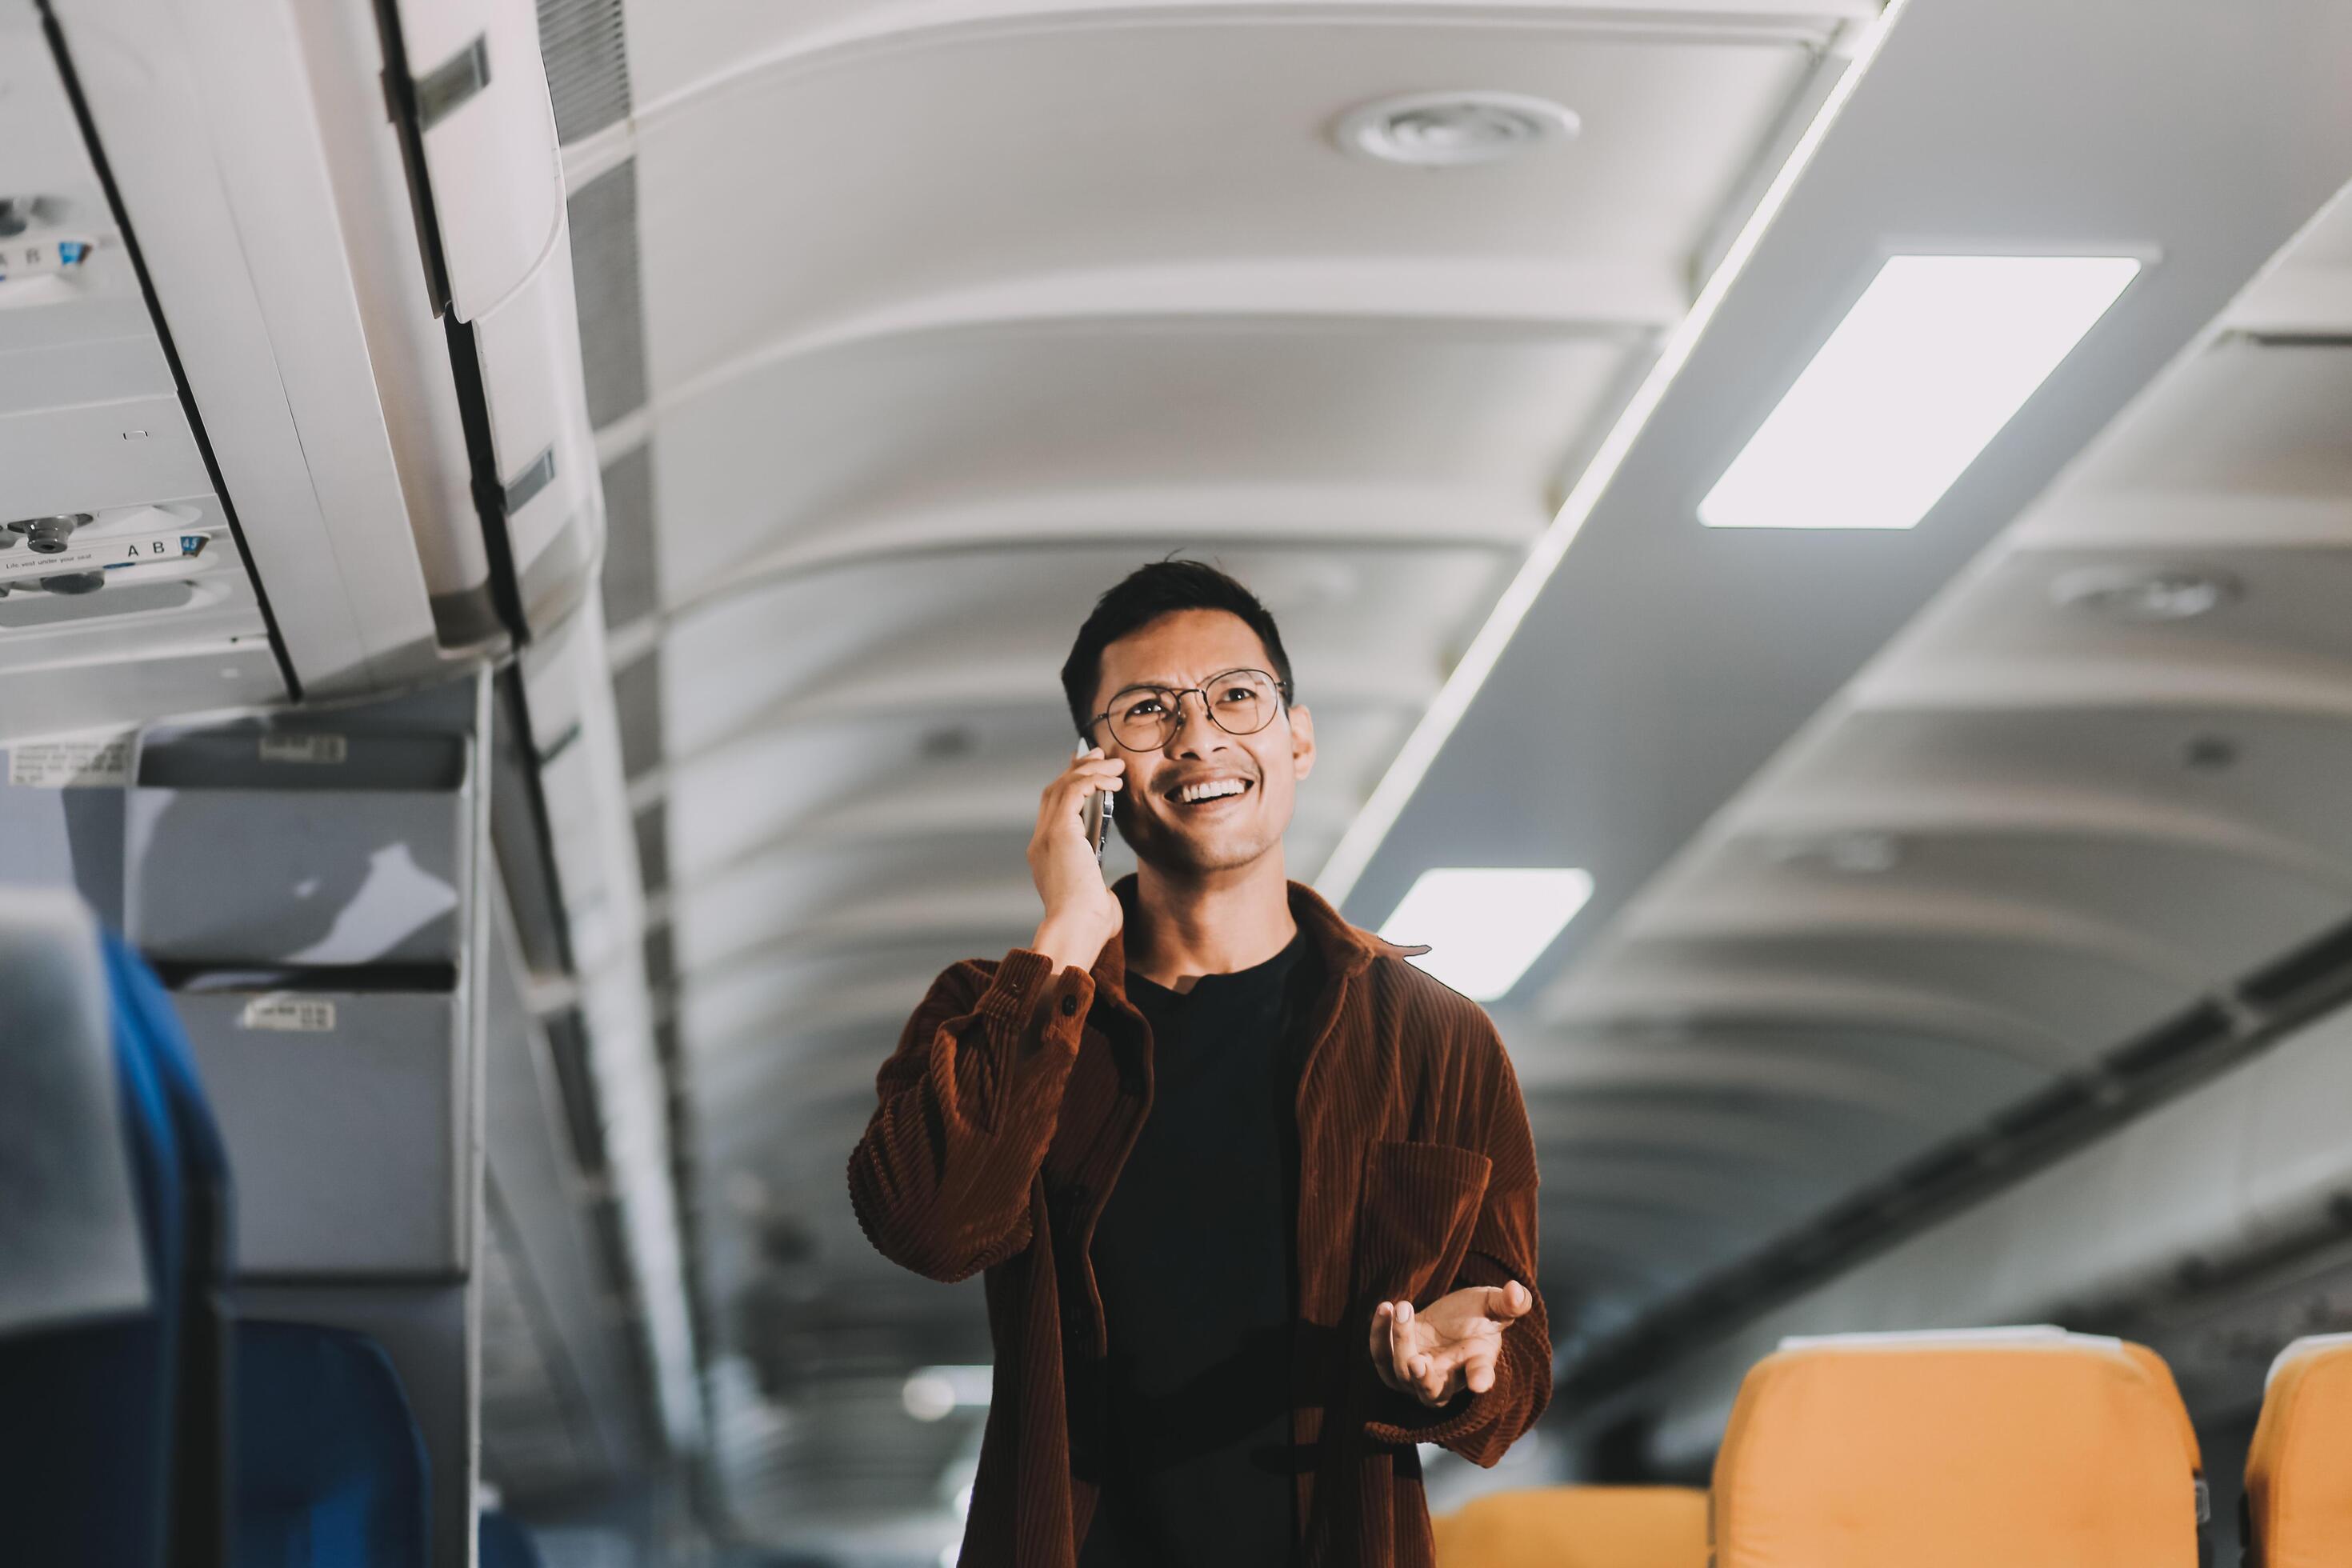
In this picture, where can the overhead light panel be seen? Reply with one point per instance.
(1370, 827)
(935, 1392)
(1484, 926)
(1931, 361)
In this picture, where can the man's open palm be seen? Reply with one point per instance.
(1435, 1354)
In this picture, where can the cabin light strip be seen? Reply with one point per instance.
(1364, 837)
(1931, 362)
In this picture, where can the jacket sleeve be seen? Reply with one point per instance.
(941, 1179)
(1480, 1426)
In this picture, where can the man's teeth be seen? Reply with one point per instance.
(1210, 790)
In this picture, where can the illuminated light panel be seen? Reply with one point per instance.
(1484, 926)
(935, 1392)
(1932, 360)
(1365, 834)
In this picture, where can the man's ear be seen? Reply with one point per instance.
(1302, 742)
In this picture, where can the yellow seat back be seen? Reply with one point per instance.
(1576, 1527)
(2299, 1471)
(2026, 1448)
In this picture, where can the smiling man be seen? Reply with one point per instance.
(1255, 1197)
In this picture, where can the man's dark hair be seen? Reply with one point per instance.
(1162, 588)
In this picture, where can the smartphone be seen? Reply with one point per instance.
(1095, 813)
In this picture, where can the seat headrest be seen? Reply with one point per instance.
(1576, 1527)
(2033, 1448)
(1900, 1339)
(2296, 1349)
(2298, 1487)
(70, 1223)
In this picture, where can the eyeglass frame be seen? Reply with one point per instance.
(1176, 695)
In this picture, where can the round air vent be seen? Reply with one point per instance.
(1450, 129)
(2145, 593)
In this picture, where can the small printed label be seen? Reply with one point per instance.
(291, 1014)
(304, 748)
(72, 762)
(176, 553)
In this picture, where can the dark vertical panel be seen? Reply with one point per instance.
(637, 697)
(631, 573)
(585, 47)
(610, 293)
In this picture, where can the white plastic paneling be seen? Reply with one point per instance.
(529, 349)
(496, 173)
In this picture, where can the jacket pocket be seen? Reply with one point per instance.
(1420, 1206)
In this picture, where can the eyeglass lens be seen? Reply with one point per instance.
(1239, 702)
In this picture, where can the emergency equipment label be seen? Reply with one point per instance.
(71, 761)
(290, 1014)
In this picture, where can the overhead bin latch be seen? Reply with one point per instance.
(444, 90)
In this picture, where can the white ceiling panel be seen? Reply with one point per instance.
(826, 447)
(1172, 140)
(678, 46)
(2242, 416)
(979, 633)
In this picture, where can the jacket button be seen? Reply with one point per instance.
(1069, 1005)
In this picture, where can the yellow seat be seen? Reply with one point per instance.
(2029, 1449)
(1576, 1527)
(2298, 1482)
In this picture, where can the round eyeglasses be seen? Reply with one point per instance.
(1239, 702)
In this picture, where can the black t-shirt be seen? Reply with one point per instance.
(1193, 1256)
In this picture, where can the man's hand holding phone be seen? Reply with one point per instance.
(1081, 915)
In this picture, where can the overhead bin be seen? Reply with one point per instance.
(370, 320)
(121, 590)
(488, 178)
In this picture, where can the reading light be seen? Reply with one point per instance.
(1484, 926)
(1931, 361)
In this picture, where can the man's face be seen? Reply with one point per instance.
(1229, 830)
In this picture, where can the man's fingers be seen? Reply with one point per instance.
(1478, 1372)
(1505, 1302)
(1400, 1344)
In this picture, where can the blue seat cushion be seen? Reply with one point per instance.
(88, 1413)
(331, 1470)
(505, 1544)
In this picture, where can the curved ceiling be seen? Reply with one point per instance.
(951, 315)
(2012, 832)
(953, 312)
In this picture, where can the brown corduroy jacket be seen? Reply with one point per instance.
(1006, 1113)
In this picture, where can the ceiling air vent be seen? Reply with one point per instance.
(2144, 593)
(1450, 129)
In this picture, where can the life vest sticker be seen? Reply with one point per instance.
(289, 1014)
(180, 553)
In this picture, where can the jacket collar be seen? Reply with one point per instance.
(1347, 950)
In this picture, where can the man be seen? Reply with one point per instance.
(1255, 1197)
